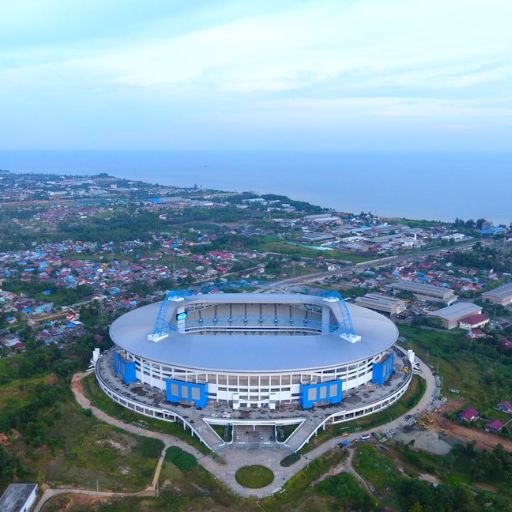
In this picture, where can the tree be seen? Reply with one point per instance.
(480, 223)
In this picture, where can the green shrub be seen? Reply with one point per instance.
(347, 492)
(150, 448)
(290, 459)
(180, 458)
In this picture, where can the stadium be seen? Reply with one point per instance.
(253, 359)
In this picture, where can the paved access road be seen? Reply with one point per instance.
(234, 458)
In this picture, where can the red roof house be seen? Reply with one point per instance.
(468, 415)
(473, 321)
(494, 426)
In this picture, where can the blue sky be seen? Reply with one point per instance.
(326, 75)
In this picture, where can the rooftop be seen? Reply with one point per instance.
(380, 299)
(15, 497)
(474, 319)
(422, 288)
(501, 292)
(456, 311)
(253, 353)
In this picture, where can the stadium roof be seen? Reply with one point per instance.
(253, 353)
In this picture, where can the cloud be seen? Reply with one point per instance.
(325, 61)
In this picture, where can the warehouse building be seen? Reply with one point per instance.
(452, 315)
(427, 292)
(382, 303)
(501, 295)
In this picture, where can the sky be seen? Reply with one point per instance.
(277, 75)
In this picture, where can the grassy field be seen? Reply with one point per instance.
(101, 401)
(379, 471)
(225, 432)
(196, 490)
(482, 381)
(347, 493)
(81, 451)
(292, 249)
(19, 389)
(93, 451)
(254, 477)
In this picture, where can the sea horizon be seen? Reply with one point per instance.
(435, 185)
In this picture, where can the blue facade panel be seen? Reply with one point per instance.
(124, 369)
(129, 375)
(117, 363)
(383, 370)
(179, 391)
(323, 393)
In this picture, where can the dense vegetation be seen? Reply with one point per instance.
(290, 459)
(59, 295)
(480, 257)
(478, 369)
(33, 387)
(347, 493)
(410, 493)
(180, 458)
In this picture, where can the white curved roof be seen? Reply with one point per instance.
(253, 353)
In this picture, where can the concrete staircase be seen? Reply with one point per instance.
(299, 437)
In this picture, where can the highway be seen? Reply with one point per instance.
(375, 263)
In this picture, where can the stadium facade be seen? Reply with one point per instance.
(245, 352)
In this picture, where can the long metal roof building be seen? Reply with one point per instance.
(451, 315)
(426, 291)
(501, 295)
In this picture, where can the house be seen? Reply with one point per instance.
(476, 334)
(505, 406)
(494, 426)
(506, 343)
(469, 415)
(473, 321)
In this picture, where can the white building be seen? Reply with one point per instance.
(452, 315)
(18, 498)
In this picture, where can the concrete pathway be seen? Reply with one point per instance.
(352, 470)
(233, 457)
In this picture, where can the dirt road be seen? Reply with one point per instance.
(483, 440)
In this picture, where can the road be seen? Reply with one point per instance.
(234, 458)
(151, 490)
(378, 262)
(483, 440)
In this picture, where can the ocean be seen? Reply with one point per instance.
(434, 186)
